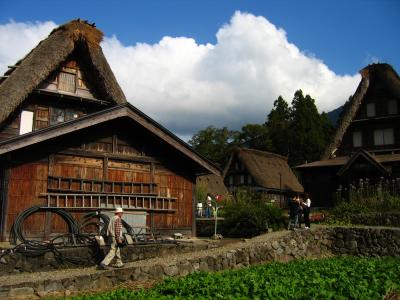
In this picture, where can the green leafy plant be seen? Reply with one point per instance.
(333, 278)
(249, 215)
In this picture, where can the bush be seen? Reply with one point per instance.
(248, 215)
(346, 212)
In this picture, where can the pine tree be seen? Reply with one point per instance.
(278, 124)
(309, 131)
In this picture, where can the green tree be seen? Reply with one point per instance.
(278, 124)
(309, 131)
(214, 143)
(255, 136)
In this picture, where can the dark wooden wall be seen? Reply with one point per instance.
(380, 97)
(100, 154)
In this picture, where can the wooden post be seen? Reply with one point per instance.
(47, 225)
(105, 169)
(114, 143)
(4, 202)
(194, 233)
(152, 170)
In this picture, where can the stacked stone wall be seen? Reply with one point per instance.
(317, 243)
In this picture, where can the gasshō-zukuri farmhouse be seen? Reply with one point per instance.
(364, 154)
(69, 139)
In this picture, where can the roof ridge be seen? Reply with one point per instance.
(262, 152)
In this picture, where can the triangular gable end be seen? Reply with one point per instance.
(362, 159)
(29, 73)
(75, 79)
(127, 112)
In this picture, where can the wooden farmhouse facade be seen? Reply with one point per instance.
(366, 145)
(69, 139)
(264, 172)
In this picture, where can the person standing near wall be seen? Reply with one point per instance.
(306, 211)
(208, 206)
(114, 232)
(293, 213)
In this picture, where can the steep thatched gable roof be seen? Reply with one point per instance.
(214, 184)
(37, 65)
(387, 76)
(269, 170)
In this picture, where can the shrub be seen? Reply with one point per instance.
(248, 215)
(345, 212)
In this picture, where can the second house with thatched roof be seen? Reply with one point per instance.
(264, 172)
(365, 152)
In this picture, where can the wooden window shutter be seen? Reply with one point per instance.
(67, 82)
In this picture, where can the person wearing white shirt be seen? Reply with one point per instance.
(306, 211)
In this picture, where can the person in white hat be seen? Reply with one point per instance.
(114, 231)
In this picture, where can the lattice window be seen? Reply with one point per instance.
(383, 137)
(357, 139)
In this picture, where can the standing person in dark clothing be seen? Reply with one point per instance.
(293, 213)
(300, 210)
(306, 211)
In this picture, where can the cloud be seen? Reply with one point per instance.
(187, 86)
(17, 39)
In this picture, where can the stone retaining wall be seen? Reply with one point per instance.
(377, 219)
(365, 241)
(294, 245)
(19, 263)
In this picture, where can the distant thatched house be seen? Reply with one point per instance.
(213, 184)
(366, 145)
(261, 171)
(69, 139)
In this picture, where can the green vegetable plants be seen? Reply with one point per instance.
(333, 278)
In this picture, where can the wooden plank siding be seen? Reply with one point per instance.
(26, 182)
(173, 185)
(77, 159)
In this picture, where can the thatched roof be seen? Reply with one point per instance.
(269, 170)
(37, 65)
(213, 183)
(370, 75)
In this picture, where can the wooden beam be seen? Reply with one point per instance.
(4, 203)
(114, 143)
(194, 207)
(94, 154)
(47, 225)
(51, 165)
(105, 168)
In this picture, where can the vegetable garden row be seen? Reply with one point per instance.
(332, 278)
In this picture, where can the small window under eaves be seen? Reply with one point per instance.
(26, 122)
(392, 107)
(67, 82)
(357, 139)
(371, 110)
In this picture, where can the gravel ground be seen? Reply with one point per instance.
(65, 273)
